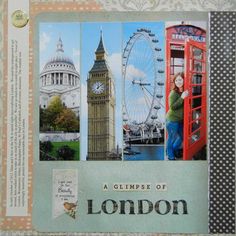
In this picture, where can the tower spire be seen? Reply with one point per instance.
(100, 48)
(100, 31)
(60, 45)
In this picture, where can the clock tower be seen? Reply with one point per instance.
(101, 109)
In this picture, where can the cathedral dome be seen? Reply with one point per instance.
(59, 60)
(60, 57)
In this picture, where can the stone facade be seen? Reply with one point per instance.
(58, 136)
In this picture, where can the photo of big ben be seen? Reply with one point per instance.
(101, 106)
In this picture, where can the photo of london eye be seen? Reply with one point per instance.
(143, 91)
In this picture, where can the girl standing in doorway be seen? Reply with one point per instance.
(174, 117)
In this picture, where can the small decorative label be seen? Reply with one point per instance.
(65, 191)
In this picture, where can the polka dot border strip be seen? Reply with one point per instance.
(222, 123)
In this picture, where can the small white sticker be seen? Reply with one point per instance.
(65, 192)
(105, 187)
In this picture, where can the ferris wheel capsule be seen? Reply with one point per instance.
(152, 35)
(159, 96)
(155, 41)
(160, 71)
(160, 83)
(158, 49)
(159, 59)
(157, 107)
(153, 117)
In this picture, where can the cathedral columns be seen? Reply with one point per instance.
(50, 79)
(67, 79)
(64, 79)
(59, 78)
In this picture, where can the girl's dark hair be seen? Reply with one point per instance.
(176, 75)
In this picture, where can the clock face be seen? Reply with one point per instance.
(98, 87)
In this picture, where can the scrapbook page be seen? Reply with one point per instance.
(117, 121)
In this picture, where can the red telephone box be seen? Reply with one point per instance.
(186, 52)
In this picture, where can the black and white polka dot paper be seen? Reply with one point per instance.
(222, 122)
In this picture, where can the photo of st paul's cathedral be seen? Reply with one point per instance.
(59, 77)
(101, 109)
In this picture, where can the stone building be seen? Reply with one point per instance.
(60, 78)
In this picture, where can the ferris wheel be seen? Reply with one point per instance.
(143, 80)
